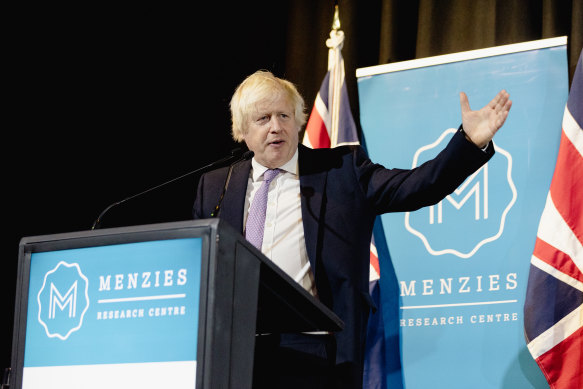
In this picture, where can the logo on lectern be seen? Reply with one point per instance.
(63, 300)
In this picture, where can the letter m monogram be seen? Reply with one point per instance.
(477, 186)
(57, 300)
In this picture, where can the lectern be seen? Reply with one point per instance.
(173, 305)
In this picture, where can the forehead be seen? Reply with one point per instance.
(275, 103)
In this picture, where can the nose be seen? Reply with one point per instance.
(275, 124)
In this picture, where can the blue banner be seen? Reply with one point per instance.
(462, 265)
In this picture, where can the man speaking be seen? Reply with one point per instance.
(312, 213)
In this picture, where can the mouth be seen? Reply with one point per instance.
(276, 142)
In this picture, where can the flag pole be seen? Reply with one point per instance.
(336, 69)
(336, 20)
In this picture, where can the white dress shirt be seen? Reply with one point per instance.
(283, 239)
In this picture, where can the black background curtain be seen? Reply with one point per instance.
(106, 100)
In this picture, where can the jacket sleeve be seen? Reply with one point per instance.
(400, 190)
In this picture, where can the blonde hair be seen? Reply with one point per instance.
(256, 88)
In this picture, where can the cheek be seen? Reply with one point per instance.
(294, 135)
(252, 141)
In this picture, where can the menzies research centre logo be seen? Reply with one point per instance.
(63, 300)
(474, 214)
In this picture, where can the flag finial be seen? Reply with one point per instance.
(336, 21)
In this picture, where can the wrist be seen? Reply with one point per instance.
(482, 147)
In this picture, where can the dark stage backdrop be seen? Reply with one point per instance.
(106, 100)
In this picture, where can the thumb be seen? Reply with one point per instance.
(464, 103)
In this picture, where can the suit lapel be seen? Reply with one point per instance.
(234, 201)
(312, 188)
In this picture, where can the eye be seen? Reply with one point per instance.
(263, 119)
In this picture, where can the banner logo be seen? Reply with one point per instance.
(63, 300)
(473, 214)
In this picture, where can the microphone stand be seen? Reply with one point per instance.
(234, 155)
(246, 156)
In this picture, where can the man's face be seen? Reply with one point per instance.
(272, 133)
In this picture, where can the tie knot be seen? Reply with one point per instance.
(270, 174)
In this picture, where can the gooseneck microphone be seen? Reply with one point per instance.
(246, 156)
(235, 155)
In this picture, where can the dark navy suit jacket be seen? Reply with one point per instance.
(342, 192)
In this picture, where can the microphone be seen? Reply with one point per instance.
(235, 153)
(246, 156)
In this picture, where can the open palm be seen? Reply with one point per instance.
(480, 126)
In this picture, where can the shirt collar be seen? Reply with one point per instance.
(290, 166)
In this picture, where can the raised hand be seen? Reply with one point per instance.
(480, 126)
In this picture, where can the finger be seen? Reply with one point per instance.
(503, 101)
(504, 104)
(501, 119)
(464, 102)
(503, 115)
(507, 105)
(497, 101)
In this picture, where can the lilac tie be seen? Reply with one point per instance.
(256, 218)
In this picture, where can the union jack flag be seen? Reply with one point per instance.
(553, 310)
(330, 125)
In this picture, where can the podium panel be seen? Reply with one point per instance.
(134, 304)
(168, 305)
